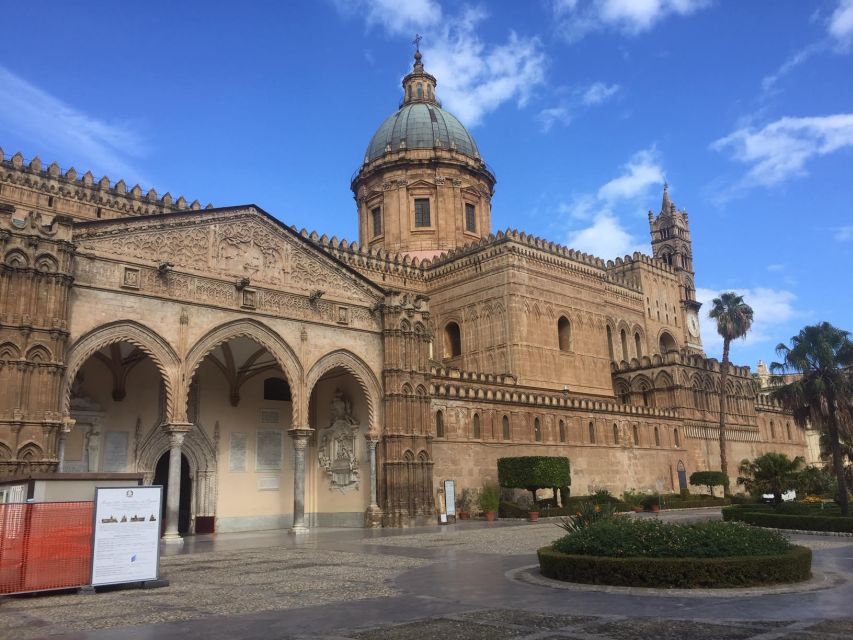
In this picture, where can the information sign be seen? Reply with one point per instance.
(126, 546)
(450, 497)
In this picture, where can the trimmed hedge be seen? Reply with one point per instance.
(709, 479)
(684, 573)
(512, 510)
(534, 472)
(696, 503)
(801, 522)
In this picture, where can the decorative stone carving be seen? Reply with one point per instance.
(336, 450)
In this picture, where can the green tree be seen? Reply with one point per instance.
(734, 319)
(770, 473)
(822, 394)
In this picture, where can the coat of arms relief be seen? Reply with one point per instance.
(337, 443)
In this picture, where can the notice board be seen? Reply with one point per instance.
(126, 536)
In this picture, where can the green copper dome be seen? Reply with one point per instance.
(421, 125)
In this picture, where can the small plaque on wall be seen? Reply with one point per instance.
(268, 483)
(115, 451)
(270, 416)
(237, 452)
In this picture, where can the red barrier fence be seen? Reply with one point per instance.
(46, 545)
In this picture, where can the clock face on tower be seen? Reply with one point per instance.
(693, 324)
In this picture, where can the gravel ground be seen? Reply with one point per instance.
(507, 541)
(208, 584)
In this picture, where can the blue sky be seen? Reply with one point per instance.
(582, 108)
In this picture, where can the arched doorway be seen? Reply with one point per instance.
(667, 343)
(161, 477)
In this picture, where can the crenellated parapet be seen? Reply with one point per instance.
(52, 190)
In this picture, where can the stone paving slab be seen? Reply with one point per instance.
(508, 541)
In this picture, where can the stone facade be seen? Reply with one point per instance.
(278, 378)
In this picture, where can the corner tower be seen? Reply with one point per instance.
(423, 187)
(671, 244)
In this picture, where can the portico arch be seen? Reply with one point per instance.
(344, 359)
(265, 337)
(146, 340)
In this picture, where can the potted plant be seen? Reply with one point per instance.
(533, 513)
(465, 501)
(490, 499)
(652, 502)
(638, 508)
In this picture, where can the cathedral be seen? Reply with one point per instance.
(271, 377)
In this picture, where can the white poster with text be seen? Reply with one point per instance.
(127, 535)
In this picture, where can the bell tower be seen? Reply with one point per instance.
(670, 232)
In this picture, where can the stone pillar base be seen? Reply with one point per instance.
(172, 538)
(298, 529)
(373, 517)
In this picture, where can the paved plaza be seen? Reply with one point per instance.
(466, 581)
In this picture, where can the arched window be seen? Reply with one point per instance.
(537, 430)
(564, 334)
(788, 429)
(592, 432)
(420, 90)
(439, 424)
(476, 426)
(505, 425)
(276, 389)
(667, 343)
(648, 397)
(772, 430)
(657, 437)
(624, 394)
(677, 437)
(698, 398)
(610, 343)
(623, 336)
(615, 434)
(638, 345)
(452, 340)
(562, 431)
(636, 436)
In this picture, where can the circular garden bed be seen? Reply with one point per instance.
(650, 553)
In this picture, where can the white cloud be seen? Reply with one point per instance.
(769, 82)
(775, 267)
(599, 92)
(397, 18)
(549, 117)
(843, 234)
(781, 149)
(841, 24)
(772, 308)
(604, 234)
(639, 173)
(577, 18)
(58, 128)
(475, 78)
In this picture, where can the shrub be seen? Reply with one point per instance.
(697, 502)
(815, 481)
(490, 497)
(793, 565)
(650, 501)
(629, 537)
(511, 510)
(534, 472)
(820, 521)
(744, 499)
(633, 497)
(588, 513)
(709, 479)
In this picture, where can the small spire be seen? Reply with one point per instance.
(666, 205)
(418, 65)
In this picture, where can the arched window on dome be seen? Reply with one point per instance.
(409, 91)
(420, 91)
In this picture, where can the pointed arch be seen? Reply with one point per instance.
(261, 334)
(364, 376)
(146, 340)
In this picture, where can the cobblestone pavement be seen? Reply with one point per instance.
(454, 583)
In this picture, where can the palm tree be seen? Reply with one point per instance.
(823, 394)
(770, 473)
(734, 319)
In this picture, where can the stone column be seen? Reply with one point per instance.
(64, 430)
(176, 431)
(300, 444)
(373, 515)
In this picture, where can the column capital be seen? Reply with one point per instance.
(300, 433)
(372, 439)
(177, 427)
(67, 425)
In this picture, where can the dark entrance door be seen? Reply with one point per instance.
(161, 476)
(682, 475)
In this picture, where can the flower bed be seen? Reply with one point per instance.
(650, 553)
(768, 517)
